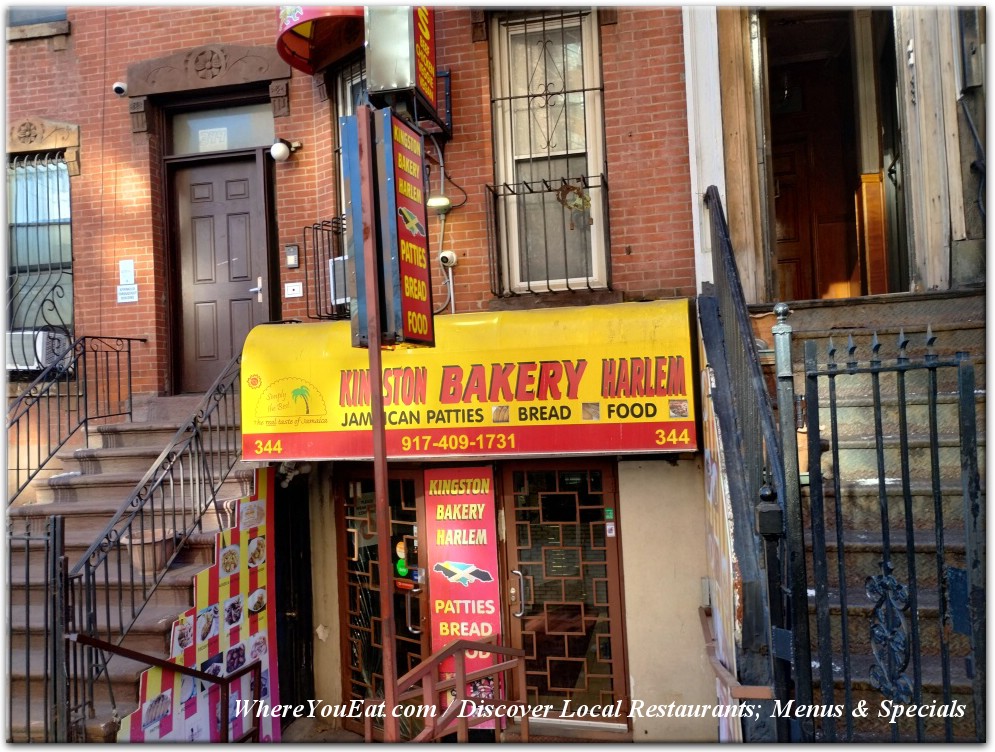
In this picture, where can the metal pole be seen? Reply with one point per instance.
(794, 527)
(384, 551)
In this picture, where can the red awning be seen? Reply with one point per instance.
(311, 38)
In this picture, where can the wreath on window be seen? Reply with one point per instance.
(576, 200)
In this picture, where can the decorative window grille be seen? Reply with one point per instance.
(549, 206)
(40, 260)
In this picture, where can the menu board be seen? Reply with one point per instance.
(229, 626)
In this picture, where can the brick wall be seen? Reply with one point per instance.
(119, 199)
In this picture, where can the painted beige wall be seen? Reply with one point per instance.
(324, 586)
(662, 530)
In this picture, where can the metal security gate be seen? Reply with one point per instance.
(894, 543)
(37, 710)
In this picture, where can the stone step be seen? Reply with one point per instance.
(877, 727)
(101, 728)
(858, 458)
(861, 504)
(124, 675)
(150, 633)
(855, 415)
(860, 618)
(917, 384)
(121, 592)
(79, 487)
(91, 517)
(117, 460)
(199, 548)
(864, 552)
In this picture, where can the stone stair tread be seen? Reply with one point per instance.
(954, 541)
(153, 619)
(175, 577)
(108, 507)
(930, 665)
(119, 668)
(916, 441)
(927, 600)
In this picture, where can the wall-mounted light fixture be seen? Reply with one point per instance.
(282, 149)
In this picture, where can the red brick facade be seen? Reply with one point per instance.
(119, 197)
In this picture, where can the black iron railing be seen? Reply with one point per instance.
(114, 580)
(36, 658)
(755, 473)
(87, 383)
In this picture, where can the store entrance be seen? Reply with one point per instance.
(563, 586)
(363, 659)
(560, 597)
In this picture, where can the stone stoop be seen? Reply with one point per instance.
(93, 483)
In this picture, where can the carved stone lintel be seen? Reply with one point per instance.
(138, 108)
(478, 25)
(206, 67)
(40, 134)
(279, 95)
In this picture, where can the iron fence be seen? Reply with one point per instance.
(36, 666)
(896, 527)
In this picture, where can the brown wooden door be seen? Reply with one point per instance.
(562, 551)
(222, 237)
(792, 221)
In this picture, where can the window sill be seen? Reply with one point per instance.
(555, 300)
(39, 31)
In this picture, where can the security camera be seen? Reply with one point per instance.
(120, 88)
(447, 259)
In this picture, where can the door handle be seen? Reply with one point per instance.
(258, 289)
(521, 590)
(407, 611)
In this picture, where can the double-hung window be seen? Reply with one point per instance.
(40, 258)
(550, 196)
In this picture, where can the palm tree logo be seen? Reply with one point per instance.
(303, 393)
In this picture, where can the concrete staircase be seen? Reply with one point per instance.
(92, 485)
(856, 536)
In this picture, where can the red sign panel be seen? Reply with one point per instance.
(463, 563)
(406, 258)
(425, 53)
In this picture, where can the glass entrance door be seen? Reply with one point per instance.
(563, 586)
(362, 610)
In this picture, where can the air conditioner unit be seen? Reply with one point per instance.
(34, 349)
(337, 270)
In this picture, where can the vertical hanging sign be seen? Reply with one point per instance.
(404, 231)
(424, 44)
(463, 563)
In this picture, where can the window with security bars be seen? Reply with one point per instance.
(550, 200)
(40, 260)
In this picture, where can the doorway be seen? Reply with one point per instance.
(837, 206)
(362, 657)
(292, 540)
(561, 588)
(564, 586)
(221, 246)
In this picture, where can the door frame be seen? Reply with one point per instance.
(511, 632)
(346, 473)
(265, 177)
